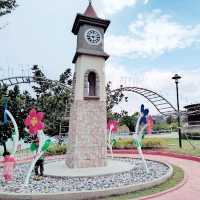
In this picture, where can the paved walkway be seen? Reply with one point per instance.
(190, 190)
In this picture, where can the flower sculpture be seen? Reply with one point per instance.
(149, 124)
(112, 126)
(34, 122)
(35, 125)
(144, 122)
(144, 115)
(7, 114)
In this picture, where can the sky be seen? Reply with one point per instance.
(148, 42)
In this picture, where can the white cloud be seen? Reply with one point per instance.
(158, 81)
(113, 6)
(115, 74)
(109, 7)
(152, 35)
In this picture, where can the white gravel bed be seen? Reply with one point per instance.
(135, 176)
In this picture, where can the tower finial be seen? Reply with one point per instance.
(90, 2)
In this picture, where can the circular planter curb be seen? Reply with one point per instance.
(181, 184)
(87, 194)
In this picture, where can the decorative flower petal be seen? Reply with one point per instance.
(27, 121)
(40, 116)
(112, 125)
(32, 131)
(32, 113)
(40, 126)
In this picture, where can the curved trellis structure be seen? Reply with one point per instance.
(163, 106)
(16, 80)
(11, 81)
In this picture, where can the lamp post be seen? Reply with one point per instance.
(176, 77)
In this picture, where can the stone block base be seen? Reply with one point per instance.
(87, 134)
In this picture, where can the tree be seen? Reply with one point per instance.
(16, 106)
(171, 120)
(4, 133)
(129, 121)
(124, 119)
(113, 98)
(6, 6)
(52, 98)
(41, 80)
(172, 123)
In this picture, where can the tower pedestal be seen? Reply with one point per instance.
(87, 138)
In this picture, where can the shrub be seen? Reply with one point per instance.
(56, 149)
(151, 143)
(123, 144)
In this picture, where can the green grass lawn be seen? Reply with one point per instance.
(157, 143)
(177, 177)
(173, 145)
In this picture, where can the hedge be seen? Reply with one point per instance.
(150, 143)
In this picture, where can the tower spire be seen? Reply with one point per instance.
(90, 12)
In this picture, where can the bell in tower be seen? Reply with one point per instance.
(87, 131)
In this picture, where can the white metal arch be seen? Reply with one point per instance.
(163, 106)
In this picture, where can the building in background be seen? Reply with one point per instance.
(192, 128)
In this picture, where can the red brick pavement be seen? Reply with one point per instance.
(189, 189)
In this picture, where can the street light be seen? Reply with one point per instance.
(176, 77)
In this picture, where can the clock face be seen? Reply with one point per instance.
(93, 36)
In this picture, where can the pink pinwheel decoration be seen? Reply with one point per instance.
(112, 125)
(34, 121)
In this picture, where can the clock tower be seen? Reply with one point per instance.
(87, 131)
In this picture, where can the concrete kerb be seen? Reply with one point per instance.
(181, 184)
(87, 194)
